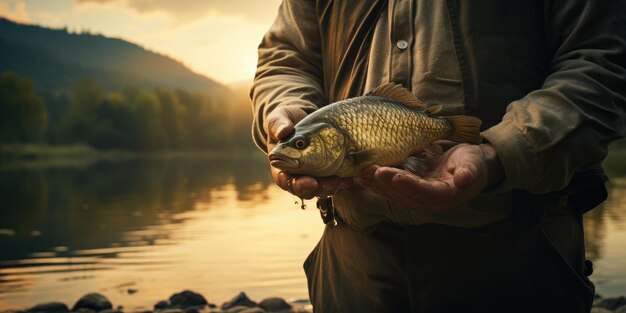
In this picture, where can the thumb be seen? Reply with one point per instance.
(465, 175)
(281, 121)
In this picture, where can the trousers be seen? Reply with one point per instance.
(506, 266)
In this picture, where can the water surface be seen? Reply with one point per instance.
(140, 230)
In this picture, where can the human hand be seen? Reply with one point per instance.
(280, 124)
(459, 175)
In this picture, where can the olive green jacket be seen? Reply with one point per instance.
(548, 78)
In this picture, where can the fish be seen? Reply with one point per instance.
(387, 127)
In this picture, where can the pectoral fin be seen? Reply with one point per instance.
(416, 165)
(363, 157)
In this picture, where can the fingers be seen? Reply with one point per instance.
(307, 186)
(280, 122)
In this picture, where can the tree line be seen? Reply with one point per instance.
(132, 118)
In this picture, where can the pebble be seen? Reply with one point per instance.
(187, 299)
(275, 305)
(622, 309)
(237, 309)
(93, 301)
(50, 307)
(162, 304)
(253, 310)
(239, 300)
(170, 310)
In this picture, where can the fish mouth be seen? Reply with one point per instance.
(282, 161)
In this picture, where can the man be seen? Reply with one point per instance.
(494, 227)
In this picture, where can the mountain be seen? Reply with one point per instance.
(54, 59)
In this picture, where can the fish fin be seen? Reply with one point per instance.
(464, 128)
(398, 93)
(433, 110)
(416, 165)
(433, 151)
(363, 157)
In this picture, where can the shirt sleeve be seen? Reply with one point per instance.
(289, 69)
(550, 133)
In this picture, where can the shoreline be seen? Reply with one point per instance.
(188, 301)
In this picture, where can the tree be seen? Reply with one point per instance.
(23, 116)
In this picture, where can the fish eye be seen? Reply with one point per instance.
(299, 143)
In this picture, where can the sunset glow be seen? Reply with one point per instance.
(212, 37)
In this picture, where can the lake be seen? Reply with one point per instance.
(140, 230)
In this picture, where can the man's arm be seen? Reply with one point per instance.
(289, 67)
(545, 136)
(287, 86)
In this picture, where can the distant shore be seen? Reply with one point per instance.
(81, 155)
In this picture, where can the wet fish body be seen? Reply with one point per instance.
(385, 127)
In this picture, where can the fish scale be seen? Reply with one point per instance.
(384, 127)
(379, 123)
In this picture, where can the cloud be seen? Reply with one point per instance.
(14, 10)
(188, 10)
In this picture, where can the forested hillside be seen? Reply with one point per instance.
(62, 88)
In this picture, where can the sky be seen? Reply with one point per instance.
(217, 38)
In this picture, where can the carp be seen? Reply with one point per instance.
(386, 127)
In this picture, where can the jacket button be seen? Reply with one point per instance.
(402, 44)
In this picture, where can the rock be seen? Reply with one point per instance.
(50, 307)
(610, 303)
(237, 309)
(596, 309)
(93, 301)
(253, 310)
(239, 300)
(162, 304)
(85, 310)
(621, 309)
(275, 305)
(112, 311)
(192, 310)
(187, 298)
(169, 310)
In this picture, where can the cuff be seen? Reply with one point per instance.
(519, 160)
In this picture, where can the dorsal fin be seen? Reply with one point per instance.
(398, 93)
(433, 109)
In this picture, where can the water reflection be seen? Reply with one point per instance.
(71, 219)
(216, 225)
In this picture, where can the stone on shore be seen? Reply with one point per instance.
(253, 310)
(162, 304)
(93, 301)
(169, 310)
(610, 303)
(236, 309)
(187, 299)
(597, 309)
(621, 309)
(275, 305)
(239, 300)
(50, 307)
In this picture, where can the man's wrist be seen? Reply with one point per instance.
(493, 166)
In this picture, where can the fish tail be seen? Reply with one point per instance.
(464, 128)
